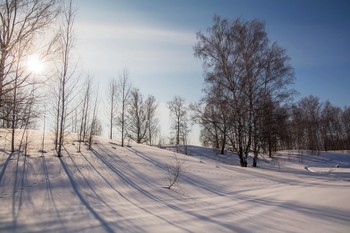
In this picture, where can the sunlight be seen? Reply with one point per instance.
(35, 64)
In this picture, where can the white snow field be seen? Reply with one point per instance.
(115, 189)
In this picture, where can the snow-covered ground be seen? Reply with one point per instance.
(115, 189)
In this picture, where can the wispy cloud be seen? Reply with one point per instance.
(136, 33)
(146, 48)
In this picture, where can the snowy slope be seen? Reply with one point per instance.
(115, 189)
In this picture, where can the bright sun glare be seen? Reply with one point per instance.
(34, 64)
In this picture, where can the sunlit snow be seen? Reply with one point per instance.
(115, 189)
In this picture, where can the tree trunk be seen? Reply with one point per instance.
(243, 160)
(255, 160)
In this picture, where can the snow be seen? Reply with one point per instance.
(115, 189)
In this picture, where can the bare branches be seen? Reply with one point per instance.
(178, 111)
(137, 117)
(112, 97)
(241, 72)
(66, 77)
(124, 90)
(20, 22)
(175, 170)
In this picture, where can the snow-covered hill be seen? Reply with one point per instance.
(115, 189)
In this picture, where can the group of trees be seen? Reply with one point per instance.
(246, 79)
(246, 105)
(44, 28)
(128, 110)
(318, 126)
(21, 24)
(72, 103)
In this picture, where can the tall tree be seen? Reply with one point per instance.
(94, 125)
(345, 122)
(152, 120)
(112, 96)
(330, 127)
(239, 61)
(311, 110)
(124, 89)
(178, 112)
(85, 111)
(66, 77)
(212, 114)
(137, 117)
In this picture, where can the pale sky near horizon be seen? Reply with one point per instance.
(154, 40)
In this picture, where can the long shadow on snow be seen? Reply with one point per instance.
(49, 190)
(330, 214)
(188, 179)
(86, 181)
(128, 166)
(122, 228)
(16, 207)
(151, 196)
(4, 167)
(134, 185)
(324, 213)
(82, 199)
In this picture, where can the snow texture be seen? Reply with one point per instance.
(116, 189)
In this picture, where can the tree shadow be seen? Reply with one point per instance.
(165, 203)
(74, 185)
(4, 166)
(49, 189)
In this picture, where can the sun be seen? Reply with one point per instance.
(34, 64)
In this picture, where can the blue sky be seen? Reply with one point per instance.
(153, 39)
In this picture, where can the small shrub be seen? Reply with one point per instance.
(175, 170)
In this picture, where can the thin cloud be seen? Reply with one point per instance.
(147, 49)
(135, 33)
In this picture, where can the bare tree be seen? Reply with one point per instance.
(94, 124)
(20, 98)
(85, 111)
(239, 62)
(332, 133)
(66, 78)
(20, 22)
(212, 114)
(137, 117)
(112, 96)
(178, 112)
(345, 122)
(152, 121)
(311, 111)
(175, 170)
(124, 89)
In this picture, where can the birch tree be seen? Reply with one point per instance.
(238, 59)
(152, 121)
(85, 111)
(66, 78)
(178, 113)
(94, 126)
(112, 96)
(137, 117)
(124, 89)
